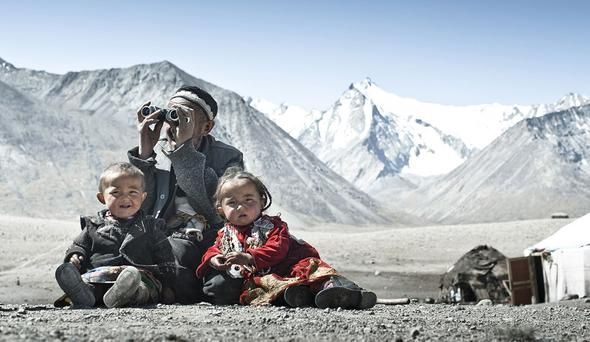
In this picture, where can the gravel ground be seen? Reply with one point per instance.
(564, 321)
(400, 262)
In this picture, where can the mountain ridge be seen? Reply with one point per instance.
(108, 99)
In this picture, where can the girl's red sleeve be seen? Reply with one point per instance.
(210, 253)
(275, 248)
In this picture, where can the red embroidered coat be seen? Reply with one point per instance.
(268, 241)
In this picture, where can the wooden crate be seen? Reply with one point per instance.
(525, 278)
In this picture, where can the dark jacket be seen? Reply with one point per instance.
(138, 242)
(194, 173)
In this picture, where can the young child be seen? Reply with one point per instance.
(256, 261)
(121, 257)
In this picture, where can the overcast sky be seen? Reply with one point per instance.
(308, 52)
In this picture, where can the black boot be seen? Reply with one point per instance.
(299, 296)
(343, 293)
(69, 279)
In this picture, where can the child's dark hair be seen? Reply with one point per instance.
(236, 172)
(116, 170)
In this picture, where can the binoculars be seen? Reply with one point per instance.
(166, 114)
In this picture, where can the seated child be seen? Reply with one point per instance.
(121, 257)
(256, 261)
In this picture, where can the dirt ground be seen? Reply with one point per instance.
(393, 262)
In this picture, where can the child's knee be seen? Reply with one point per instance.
(223, 289)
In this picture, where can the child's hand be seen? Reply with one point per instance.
(239, 258)
(77, 260)
(219, 263)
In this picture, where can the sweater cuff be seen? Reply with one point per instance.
(74, 250)
(185, 151)
(142, 164)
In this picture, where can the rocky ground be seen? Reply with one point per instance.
(566, 321)
(393, 262)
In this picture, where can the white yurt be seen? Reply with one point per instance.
(566, 260)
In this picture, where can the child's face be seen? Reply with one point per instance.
(241, 202)
(123, 197)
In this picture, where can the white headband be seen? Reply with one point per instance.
(192, 97)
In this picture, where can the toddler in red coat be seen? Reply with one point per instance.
(256, 261)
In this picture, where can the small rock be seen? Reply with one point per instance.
(327, 310)
(485, 302)
(56, 333)
(171, 337)
(415, 332)
(569, 297)
(429, 300)
(587, 300)
(377, 273)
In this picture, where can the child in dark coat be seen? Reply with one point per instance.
(121, 257)
(255, 260)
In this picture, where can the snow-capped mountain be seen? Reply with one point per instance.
(539, 166)
(61, 130)
(369, 135)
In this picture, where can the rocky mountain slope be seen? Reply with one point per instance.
(537, 167)
(65, 128)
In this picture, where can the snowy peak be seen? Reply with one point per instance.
(362, 85)
(363, 141)
(5, 66)
(571, 100)
(292, 119)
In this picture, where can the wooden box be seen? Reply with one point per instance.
(525, 278)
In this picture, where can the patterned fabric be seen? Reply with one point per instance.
(266, 289)
(229, 240)
(259, 233)
(186, 223)
(109, 274)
